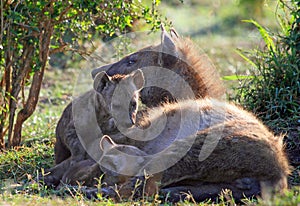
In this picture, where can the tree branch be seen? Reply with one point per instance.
(46, 31)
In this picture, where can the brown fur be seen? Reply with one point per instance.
(245, 148)
(177, 55)
(68, 148)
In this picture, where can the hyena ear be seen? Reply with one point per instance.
(100, 82)
(104, 68)
(95, 72)
(167, 43)
(138, 79)
(174, 34)
(106, 143)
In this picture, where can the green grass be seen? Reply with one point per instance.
(26, 161)
(215, 26)
(28, 192)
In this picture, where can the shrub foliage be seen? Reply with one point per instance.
(273, 89)
(32, 30)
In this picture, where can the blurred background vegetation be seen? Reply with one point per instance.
(258, 61)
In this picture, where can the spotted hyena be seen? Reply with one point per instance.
(186, 68)
(218, 146)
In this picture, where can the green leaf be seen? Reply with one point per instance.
(239, 52)
(236, 77)
(264, 34)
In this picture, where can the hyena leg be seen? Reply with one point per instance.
(85, 172)
(77, 151)
(241, 188)
(61, 151)
(53, 176)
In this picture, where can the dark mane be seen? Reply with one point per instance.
(200, 73)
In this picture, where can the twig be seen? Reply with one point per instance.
(2, 20)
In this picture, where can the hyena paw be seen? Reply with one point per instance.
(170, 195)
(246, 183)
(48, 180)
(91, 193)
(109, 192)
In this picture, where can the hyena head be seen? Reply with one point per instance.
(123, 165)
(119, 162)
(176, 55)
(119, 95)
(163, 54)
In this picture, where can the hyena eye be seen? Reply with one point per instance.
(132, 59)
(130, 62)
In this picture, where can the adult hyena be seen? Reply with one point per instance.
(207, 143)
(93, 110)
(174, 66)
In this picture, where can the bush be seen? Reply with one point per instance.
(273, 90)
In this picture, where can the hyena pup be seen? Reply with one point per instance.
(93, 111)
